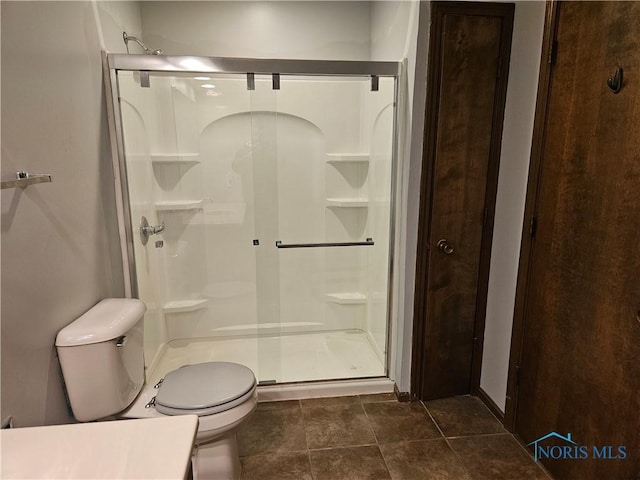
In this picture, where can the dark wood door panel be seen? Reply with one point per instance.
(468, 89)
(581, 346)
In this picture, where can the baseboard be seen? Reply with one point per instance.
(402, 396)
(490, 404)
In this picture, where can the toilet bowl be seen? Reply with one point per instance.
(221, 411)
(101, 356)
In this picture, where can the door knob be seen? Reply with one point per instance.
(444, 245)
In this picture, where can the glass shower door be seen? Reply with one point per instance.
(268, 201)
(188, 158)
(333, 139)
(264, 149)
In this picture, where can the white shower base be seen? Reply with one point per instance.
(301, 357)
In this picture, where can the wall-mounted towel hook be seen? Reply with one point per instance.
(615, 82)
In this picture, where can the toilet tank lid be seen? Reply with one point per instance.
(109, 319)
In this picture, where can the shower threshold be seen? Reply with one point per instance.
(294, 365)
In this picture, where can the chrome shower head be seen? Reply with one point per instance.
(127, 38)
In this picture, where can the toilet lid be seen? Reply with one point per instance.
(205, 388)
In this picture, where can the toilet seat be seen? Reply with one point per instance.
(205, 389)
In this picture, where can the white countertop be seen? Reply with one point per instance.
(148, 449)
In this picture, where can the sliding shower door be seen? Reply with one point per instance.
(334, 138)
(259, 211)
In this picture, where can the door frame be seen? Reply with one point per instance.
(438, 10)
(528, 227)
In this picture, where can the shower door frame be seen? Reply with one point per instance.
(112, 63)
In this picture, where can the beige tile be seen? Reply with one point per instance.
(278, 466)
(424, 460)
(463, 415)
(272, 431)
(337, 426)
(355, 463)
(400, 422)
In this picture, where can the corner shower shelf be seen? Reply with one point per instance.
(177, 205)
(175, 159)
(352, 298)
(183, 306)
(347, 157)
(348, 202)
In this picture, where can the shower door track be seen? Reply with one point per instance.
(260, 66)
(112, 63)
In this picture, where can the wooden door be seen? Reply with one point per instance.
(469, 57)
(579, 369)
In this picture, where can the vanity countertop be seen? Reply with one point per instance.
(154, 449)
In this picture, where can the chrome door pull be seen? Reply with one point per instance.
(444, 245)
(147, 230)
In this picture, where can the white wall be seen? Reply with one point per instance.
(60, 248)
(512, 187)
(332, 30)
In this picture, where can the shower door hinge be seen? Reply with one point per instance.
(533, 226)
(375, 83)
(251, 81)
(275, 81)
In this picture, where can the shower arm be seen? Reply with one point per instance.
(127, 38)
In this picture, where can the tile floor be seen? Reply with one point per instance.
(375, 437)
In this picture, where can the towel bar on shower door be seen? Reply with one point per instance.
(366, 243)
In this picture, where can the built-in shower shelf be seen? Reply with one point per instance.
(175, 159)
(348, 202)
(178, 205)
(347, 298)
(183, 306)
(347, 157)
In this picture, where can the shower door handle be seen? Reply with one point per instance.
(366, 243)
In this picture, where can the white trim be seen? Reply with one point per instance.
(297, 391)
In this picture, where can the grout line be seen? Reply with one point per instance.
(538, 464)
(433, 419)
(343, 447)
(306, 440)
(458, 457)
(475, 435)
(384, 460)
(373, 430)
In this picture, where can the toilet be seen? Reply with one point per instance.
(101, 356)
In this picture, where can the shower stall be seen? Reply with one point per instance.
(257, 211)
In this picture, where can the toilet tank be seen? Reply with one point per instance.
(101, 356)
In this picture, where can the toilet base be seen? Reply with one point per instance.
(217, 460)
